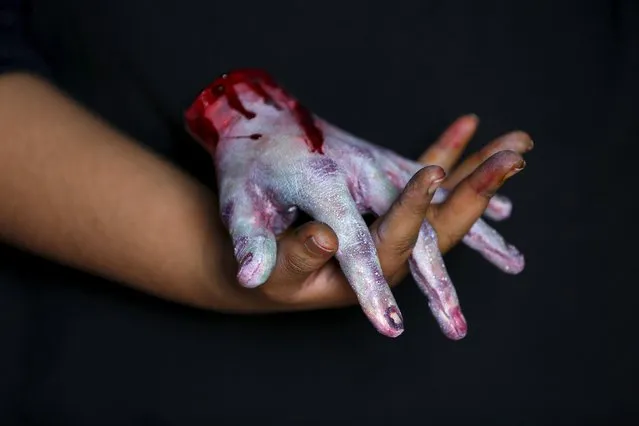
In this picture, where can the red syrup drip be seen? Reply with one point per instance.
(314, 136)
(224, 86)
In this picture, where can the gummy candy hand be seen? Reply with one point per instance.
(273, 158)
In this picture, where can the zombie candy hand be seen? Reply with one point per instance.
(273, 157)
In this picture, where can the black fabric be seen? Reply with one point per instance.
(16, 52)
(554, 345)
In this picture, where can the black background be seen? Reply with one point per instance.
(554, 345)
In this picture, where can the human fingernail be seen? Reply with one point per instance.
(516, 169)
(434, 185)
(317, 246)
(492, 182)
(531, 145)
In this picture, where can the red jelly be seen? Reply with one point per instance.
(257, 81)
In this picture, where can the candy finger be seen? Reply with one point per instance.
(499, 208)
(404, 230)
(254, 244)
(466, 204)
(429, 271)
(356, 254)
(494, 248)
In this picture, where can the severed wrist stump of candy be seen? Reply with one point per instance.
(274, 157)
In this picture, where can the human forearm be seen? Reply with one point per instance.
(75, 190)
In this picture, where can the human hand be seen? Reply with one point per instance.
(273, 157)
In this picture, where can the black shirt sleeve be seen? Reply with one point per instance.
(16, 53)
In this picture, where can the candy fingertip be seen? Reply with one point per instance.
(459, 324)
(246, 260)
(397, 334)
(516, 264)
(249, 274)
(391, 332)
(499, 208)
(392, 323)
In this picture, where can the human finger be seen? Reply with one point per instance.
(301, 253)
(517, 141)
(445, 152)
(464, 206)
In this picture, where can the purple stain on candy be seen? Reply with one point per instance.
(227, 212)
(324, 166)
(240, 245)
(394, 318)
(246, 260)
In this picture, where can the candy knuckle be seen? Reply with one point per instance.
(323, 166)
